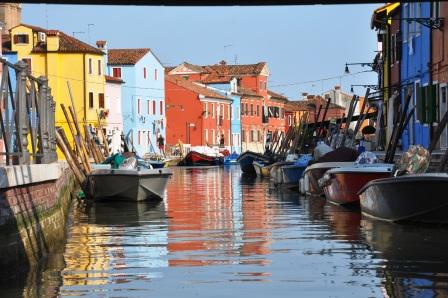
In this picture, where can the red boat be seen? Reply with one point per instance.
(341, 185)
(194, 158)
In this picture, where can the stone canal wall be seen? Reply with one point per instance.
(34, 203)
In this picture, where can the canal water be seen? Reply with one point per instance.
(221, 234)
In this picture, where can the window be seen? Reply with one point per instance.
(261, 85)
(418, 9)
(213, 136)
(139, 137)
(21, 39)
(161, 107)
(116, 72)
(144, 72)
(259, 136)
(247, 109)
(139, 107)
(90, 100)
(242, 108)
(206, 135)
(213, 111)
(243, 136)
(206, 110)
(148, 102)
(155, 74)
(435, 9)
(251, 135)
(154, 107)
(99, 67)
(28, 64)
(90, 66)
(258, 110)
(405, 23)
(251, 109)
(101, 100)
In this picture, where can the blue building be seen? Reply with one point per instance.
(229, 89)
(143, 96)
(415, 72)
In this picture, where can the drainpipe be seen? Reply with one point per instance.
(84, 87)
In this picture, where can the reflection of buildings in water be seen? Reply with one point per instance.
(115, 237)
(415, 263)
(210, 211)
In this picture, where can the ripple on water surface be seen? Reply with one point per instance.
(219, 233)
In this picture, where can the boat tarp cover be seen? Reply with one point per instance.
(340, 155)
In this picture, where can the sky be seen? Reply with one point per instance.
(299, 43)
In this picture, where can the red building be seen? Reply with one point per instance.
(262, 110)
(195, 114)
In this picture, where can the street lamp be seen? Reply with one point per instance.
(347, 71)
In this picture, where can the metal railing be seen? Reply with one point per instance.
(27, 117)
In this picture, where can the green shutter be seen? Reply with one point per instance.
(420, 93)
(431, 110)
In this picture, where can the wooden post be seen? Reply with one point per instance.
(71, 152)
(79, 176)
(82, 154)
(79, 136)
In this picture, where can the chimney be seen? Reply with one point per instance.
(52, 40)
(101, 44)
(337, 87)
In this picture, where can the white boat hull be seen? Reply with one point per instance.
(128, 185)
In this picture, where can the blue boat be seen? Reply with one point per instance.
(247, 158)
(289, 174)
(231, 159)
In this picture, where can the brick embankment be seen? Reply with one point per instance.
(34, 204)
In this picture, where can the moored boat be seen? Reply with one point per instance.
(416, 197)
(128, 184)
(194, 158)
(231, 159)
(247, 158)
(341, 185)
(315, 171)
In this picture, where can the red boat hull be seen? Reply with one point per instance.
(344, 187)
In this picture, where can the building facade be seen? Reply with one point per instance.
(113, 114)
(414, 71)
(143, 96)
(196, 115)
(64, 60)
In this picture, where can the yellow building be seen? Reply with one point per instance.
(62, 58)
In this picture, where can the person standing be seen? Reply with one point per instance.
(161, 144)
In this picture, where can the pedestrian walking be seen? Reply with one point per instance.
(161, 144)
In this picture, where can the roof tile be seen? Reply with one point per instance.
(126, 56)
(193, 87)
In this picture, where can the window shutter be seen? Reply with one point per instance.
(431, 104)
(398, 45)
(419, 92)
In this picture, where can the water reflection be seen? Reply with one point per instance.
(219, 234)
(415, 257)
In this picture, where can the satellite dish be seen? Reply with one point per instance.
(368, 130)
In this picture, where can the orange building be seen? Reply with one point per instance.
(195, 114)
(262, 111)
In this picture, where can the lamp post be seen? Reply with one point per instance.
(347, 71)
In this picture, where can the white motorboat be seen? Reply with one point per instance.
(128, 184)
